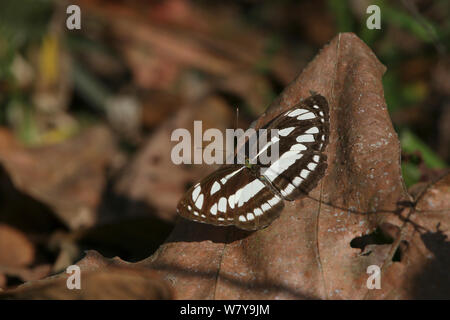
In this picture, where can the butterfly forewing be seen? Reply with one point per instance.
(303, 135)
(232, 195)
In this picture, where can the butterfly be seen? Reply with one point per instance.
(251, 196)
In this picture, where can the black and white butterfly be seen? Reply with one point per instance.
(250, 198)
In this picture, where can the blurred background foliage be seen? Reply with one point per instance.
(132, 70)
(48, 93)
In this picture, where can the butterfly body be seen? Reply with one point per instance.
(250, 196)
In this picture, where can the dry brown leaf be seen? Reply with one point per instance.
(307, 252)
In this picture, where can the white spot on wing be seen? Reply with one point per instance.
(231, 201)
(227, 177)
(306, 116)
(215, 187)
(305, 138)
(242, 218)
(286, 160)
(298, 147)
(250, 216)
(199, 202)
(196, 192)
(312, 130)
(265, 206)
(223, 204)
(250, 190)
(284, 132)
(213, 209)
(297, 181)
(258, 212)
(274, 139)
(289, 188)
(237, 195)
(312, 166)
(274, 201)
(316, 158)
(297, 112)
(304, 174)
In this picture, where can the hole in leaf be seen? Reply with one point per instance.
(376, 237)
(382, 235)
